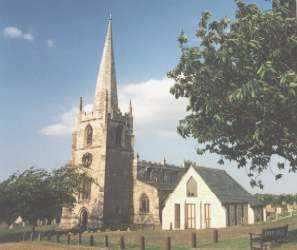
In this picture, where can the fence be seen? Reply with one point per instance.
(276, 217)
(118, 241)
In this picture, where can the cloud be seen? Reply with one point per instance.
(65, 124)
(12, 32)
(15, 33)
(50, 43)
(63, 127)
(155, 110)
(28, 37)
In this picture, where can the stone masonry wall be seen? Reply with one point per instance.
(118, 175)
(152, 193)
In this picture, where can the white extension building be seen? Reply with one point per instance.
(209, 198)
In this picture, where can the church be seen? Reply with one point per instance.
(131, 191)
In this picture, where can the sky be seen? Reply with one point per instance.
(50, 53)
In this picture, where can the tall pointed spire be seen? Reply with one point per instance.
(106, 80)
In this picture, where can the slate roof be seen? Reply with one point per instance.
(221, 184)
(225, 187)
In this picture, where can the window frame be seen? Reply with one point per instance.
(88, 136)
(144, 204)
(190, 216)
(85, 194)
(192, 194)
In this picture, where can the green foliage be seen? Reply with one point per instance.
(38, 194)
(241, 83)
(7, 201)
(277, 199)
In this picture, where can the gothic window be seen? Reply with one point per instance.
(89, 135)
(191, 188)
(85, 192)
(173, 177)
(166, 177)
(162, 178)
(87, 160)
(148, 174)
(83, 220)
(156, 176)
(119, 132)
(144, 206)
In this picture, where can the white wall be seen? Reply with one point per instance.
(264, 214)
(254, 213)
(251, 215)
(205, 196)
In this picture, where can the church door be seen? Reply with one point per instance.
(83, 219)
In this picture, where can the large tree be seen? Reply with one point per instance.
(241, 82)
(39, 194)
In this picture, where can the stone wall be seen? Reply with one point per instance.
(153, 217)
(118, 175)
(118, 187)
(96, 169)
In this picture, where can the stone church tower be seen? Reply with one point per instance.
(103, 144)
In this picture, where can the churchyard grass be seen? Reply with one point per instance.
(14, 234)
(232, 238)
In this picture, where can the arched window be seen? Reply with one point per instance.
(162, 177)
(83, 218)
(89, 135)
(119, 132)
(87, 160)
(144, 206)
(191, 188)
(148, 176)
(85, 192)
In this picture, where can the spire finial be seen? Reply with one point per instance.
(130, 108)
(110, 17)
(80, 104)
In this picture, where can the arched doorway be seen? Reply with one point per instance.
(83, 220)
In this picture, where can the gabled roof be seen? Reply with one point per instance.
(220, 183)
(225, 187)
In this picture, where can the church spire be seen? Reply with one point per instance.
(106, 80)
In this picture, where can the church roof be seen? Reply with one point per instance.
(225, 187)
(166, 177)
(163, 176)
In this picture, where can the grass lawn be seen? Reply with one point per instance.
(15, 234)
(232, 238)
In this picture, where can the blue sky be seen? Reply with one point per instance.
(50, 53)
